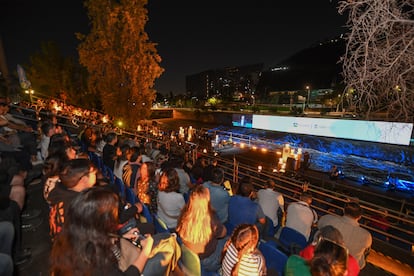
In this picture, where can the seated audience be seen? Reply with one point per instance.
(243, 208)
(123, 153)
(131, 170)
(300, 216)
(330, 258)
(76, 176)
(240, 254)
(200, 229)
(89, 243)
(357, 239)
(170, 201)
(331, 233)
(6, 244)
(219, 197)
(147, 186)
(271, 202)
(48, 129)
(109, 153)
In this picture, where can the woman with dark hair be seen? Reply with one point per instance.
(131, 170)
(88, 243)
(169, 200)
(60, 152)
(200, 229)
(331, 233)
(147, 187)
(330, 259)
(240, 254)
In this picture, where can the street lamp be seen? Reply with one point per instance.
(308, 98)
(30, 92)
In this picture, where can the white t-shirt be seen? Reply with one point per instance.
(169, 207)
(300, 216)
(270, 201)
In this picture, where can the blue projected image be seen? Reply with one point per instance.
(372, 162)
(242, 120)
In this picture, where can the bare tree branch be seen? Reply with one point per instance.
(378, 65)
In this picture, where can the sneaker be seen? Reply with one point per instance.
(30, 214)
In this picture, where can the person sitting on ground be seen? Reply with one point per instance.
(300, 216)
(271, 202)
(85, 246)
(240, 255)
(330, 258)
(219, 197)
(170, 200)
(244, 209)
(357, 239)
(200, 229)
(331, 233)
(334, 172)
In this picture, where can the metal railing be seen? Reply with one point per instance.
(328, 197)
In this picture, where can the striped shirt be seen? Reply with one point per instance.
(251, 264)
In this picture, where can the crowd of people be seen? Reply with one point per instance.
(84, 181)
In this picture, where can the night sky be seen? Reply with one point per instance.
(192, 36)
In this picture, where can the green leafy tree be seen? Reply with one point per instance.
(52, 74)
(121, 60)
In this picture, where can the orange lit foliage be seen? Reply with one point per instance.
(122, 63)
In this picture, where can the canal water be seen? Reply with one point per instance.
(384, 165)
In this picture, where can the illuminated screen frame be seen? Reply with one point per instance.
(372, 131)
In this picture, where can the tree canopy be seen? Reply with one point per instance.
(52, 74)
(121, 60)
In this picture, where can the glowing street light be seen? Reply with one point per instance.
(30, 92)
(308, 98)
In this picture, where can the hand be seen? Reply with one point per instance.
(139, 207)
(132, 234)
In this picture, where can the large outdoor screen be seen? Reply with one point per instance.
(373, 131)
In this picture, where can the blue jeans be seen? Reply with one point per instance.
(212, 263)
(6, 242)
(6, 237)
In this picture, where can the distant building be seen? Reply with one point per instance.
(227, 83)
(310, 75)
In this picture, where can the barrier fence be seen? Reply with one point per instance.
(328, 197)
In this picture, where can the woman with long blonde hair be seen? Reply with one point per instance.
(240, 254)
(200, 229)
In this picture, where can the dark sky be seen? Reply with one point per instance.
(192, 36)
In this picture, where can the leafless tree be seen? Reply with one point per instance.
(378, 65)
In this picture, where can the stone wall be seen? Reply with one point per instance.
(208, 117)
